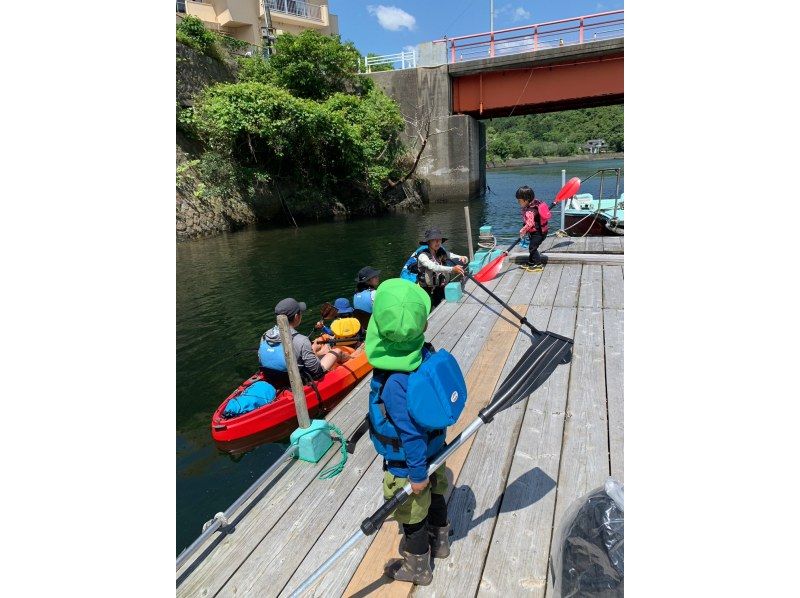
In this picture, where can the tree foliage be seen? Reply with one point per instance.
(315, 66)
(345, 139)
(554, 134)
(191, 32)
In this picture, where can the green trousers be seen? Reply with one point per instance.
(415, 509)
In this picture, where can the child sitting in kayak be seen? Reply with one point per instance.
(313, 362)
(343, 310)
(535, 215)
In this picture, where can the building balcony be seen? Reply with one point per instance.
(298, 13)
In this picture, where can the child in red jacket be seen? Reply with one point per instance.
(535, 215)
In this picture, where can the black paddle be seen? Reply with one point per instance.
(538, 362)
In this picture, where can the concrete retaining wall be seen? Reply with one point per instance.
(452, 167)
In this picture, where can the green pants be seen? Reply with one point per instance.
(415, 509)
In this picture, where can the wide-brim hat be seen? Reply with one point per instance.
(366, 273)
(433, 233)
(396, 330)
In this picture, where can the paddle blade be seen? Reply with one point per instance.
(547, 352)
(491, 269)
(328, 311)
(571, 187)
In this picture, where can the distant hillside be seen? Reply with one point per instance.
(554, 134)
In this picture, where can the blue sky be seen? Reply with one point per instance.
(387, 26)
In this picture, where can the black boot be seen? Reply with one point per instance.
(415, 568)
(439, 538)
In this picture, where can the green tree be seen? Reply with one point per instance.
(315, 66)
(191, 32)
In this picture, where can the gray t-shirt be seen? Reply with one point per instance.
(306, 359)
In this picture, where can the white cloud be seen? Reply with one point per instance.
(519, 14)
(392, 18)
(409, 48)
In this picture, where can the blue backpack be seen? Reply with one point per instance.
(270, 356)
(436, 397)
(254, 396)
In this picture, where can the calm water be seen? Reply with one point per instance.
(227, 288)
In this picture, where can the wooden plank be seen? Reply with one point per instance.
(475, 501)
(591, 294)
(612, 244)
(584, 454)
(594, 244)
(440, 317)
(568, 286)
(613, 287)
(614, 328)
(272, 562)
(578, 245)
(516, 563)
(526, 287)
(548, 285)
(548, 243)
(265, 510)
(481, 380)
(362, 502)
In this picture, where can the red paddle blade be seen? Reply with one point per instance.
(490, 270)
(568, 190)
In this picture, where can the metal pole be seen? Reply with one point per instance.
(563, 209)
(298, 394)
(491, 16)
(222, 518)
(469, 234)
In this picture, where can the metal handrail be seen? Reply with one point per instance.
(221, 520)
(571, 31)
(407, 60)
(297, 8)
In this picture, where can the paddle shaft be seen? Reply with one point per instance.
(373, 523)
(522, 319)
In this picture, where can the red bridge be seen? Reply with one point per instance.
(544, 67)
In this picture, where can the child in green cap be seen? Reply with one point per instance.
(396, 348)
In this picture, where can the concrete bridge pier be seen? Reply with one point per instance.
(453, 163)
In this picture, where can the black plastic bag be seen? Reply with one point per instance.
(589, 557)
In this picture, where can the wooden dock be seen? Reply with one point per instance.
(510, 484)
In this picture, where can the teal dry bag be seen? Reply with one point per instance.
(254, 396)
(437, 392)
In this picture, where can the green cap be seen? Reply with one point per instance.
(396, 330)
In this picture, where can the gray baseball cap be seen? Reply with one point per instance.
(289, 307)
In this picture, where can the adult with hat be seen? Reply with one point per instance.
(367, 280)
(314, 362)
(432, 258)
(397, 351)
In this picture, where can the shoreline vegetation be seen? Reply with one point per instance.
(301, 136)
(530, 161)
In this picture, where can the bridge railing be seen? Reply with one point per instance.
(530, 38)
(400, 60)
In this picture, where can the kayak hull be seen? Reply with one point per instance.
(278, 419)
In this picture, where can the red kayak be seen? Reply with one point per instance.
(278, 419)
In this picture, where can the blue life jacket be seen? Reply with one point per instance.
(363, 300)
(270, 351)
(411, 271)
(436, 397)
